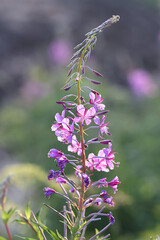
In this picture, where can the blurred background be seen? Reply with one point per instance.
(36, 43)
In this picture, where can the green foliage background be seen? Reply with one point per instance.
(134, 124)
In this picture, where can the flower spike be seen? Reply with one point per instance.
(82, 112)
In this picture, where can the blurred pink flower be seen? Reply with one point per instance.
(141, 83)
(60, 52)
(32, 90)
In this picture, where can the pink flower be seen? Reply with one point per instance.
(113, 184)
(60, 51)
(91, 161)
(96, 100)
(107, 156)
(76, 146)
(102, 126)
(97, 163)
(59, 118)
(141, 83)
(84, 114)
(64, 133)
(103, 161)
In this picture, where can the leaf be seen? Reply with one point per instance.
(6, 215)
(60, 235)
(49, 231)
(37, 215)
(26, 238)
(28, 211)
(20, 221)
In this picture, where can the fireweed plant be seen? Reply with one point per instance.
(78, 116)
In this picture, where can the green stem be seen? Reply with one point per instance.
(81, 199)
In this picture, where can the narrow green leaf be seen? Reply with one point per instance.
(26, 238)
(37, 215)
(49, 231)
(19, 221)
(28, 211)
(60, 235)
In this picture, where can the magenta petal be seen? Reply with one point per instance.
(58, 117)
(77, 119)
(92, 96)
(55, 126)
(71, 149)
(60, 180)
(110, 165)
(91, 112)
(105, 141)
(101, 106)
(105, 150)
(63, 113)
(97, 120)
(81, 109)
(48, 191)
(88, 121)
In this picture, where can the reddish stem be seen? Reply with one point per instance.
(2, 204)
(8, 232)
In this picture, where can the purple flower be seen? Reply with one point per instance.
(109, 201)
(76, 146)
(53, 174)
(48, 191)
(104, 194)
(54, 153)
(102, 183)
(78, 171)
(84, 114)
(96, 100)
(111, 218)
(106, 199)
(98, 201)
(72, 190)
(86, 179)
(61, 163)
(60, 180)
(88, 202)
(113, 184)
